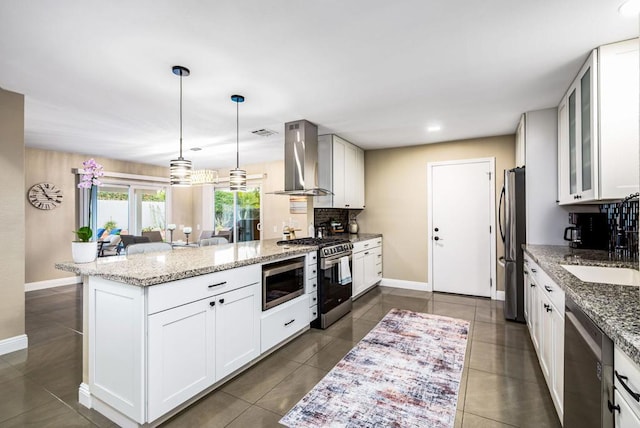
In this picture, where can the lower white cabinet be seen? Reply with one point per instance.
(180, 365)
(237, 328)
(627, 390)
(366, 265)
(544, 309)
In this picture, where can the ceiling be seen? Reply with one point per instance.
(97, 75)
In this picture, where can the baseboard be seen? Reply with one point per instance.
(500, 295)
(113, 415)
(84, 395)
(50, 283)
(407, 285)
(13, 344)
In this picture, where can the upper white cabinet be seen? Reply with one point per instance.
(520, 142)
(598, 128)
(341, 170)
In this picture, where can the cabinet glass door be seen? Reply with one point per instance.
(573, 170)
(585, 130)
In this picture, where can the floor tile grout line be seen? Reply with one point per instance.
(493, 420)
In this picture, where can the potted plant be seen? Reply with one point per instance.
(83, 250)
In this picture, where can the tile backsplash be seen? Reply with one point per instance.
(323, 216)
(629, 220)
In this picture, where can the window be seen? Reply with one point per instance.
(237, 214)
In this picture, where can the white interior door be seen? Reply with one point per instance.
(461, 240)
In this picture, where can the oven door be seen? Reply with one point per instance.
(282, 281)
(331, 292)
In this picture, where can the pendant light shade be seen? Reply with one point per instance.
(237, 176)
(180, 169)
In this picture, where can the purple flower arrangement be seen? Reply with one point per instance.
(90, 179)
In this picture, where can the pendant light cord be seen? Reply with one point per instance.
(237, 135)
(181, 115)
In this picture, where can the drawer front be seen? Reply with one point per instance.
(311, 272)
(311, 285)
(624, 366)
(550, 289)
(312, 258)
(313, 313)
(313, 298)
(366, 245)
(283, 321)
(625, 417)
(172, 294)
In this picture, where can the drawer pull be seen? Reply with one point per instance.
(313, 271)
(379, 273)
(533, 270)
(218, 284)
(526, 272)
(287, 323)
(366, 245)
(532, 284)
(315, 298)
(212, 303)
(366, 253)
(547, 307)
(221, 300)
(622, 380)
(612, 407)
(549, 289)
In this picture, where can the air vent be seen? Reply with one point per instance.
(264, 132)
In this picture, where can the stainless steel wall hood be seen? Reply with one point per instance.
(301, 160)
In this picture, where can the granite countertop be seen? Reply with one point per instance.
(364, 236)
(614, 308)
(156, 268)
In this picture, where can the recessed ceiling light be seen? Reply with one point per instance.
(629, 8)
(195, 149)
(434, 128)
(264, 132)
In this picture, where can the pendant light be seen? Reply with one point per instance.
(180, 169)
(237, 176)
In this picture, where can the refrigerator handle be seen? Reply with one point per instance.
(500, 216)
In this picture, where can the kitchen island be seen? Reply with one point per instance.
(163, 329)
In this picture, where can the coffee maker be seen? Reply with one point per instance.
(589, 231)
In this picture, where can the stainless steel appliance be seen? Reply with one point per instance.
(589, 231)
(588, 372)
(282, 281)
(513, 234)
(334, 284)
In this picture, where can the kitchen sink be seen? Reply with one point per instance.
(605, 275)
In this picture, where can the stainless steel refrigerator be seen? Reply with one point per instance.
(513, 230)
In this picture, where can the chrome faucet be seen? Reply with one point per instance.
(622, 248)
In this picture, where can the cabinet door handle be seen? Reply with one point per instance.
(218, 284)
(532, 284)
(315, 298)
(287, 323)
(366, 253)
(547, 307)
(526, 272)
(533, 270)
(379, 273)
(212, 303)
(549, 289)
(622, 380)
(313, 271)
(612, 407)
(221, 300)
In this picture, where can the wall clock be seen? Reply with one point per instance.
(45, 196)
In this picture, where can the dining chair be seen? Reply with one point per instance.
(148, 247)
(153, 235)
(213, 241)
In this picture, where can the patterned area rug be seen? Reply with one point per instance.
(405, 373)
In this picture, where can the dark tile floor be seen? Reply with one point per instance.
(502, 385)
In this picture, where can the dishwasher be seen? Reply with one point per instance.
(588, 372)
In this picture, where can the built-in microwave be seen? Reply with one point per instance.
(282, 281)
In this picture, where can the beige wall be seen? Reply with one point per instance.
(49, 233)
(396, 198)
(12, 195)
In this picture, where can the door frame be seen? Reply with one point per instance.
(492, 216)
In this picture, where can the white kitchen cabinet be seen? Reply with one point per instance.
(311, 284)
(181, 344)
(544, 302)
(341, 170)
(237, 332)
(366, 262)
(283, 321)
(627, 386)
(598, 132)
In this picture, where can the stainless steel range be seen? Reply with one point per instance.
(334, 277)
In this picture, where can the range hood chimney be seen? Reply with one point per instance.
(301, 160)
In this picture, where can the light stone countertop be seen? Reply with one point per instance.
(156, 268)
(614, 308)
(363, 236)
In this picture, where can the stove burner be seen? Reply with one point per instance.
(320, 242)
